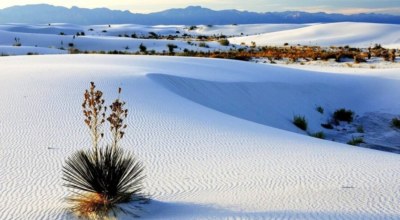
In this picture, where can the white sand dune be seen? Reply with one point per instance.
(204, 130)
(106, 38)
(33, 42)
(140, 30)
(332, 34)
(244, 29)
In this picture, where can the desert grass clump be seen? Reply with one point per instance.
(320, 135)
(356, 141)
(104, 180)
(360, 129)
(300, 122)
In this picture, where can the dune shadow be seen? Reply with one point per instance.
(176, 210)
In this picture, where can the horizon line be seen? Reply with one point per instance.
(210, 8)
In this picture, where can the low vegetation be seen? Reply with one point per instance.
(292, 54)
(142, 48)
(360, 129)
(356, 141)
(320, 109)
(171, 48)
(17, 42)
(396, 123)
(224, 42)
(300, 122)
(343, 115)
(320, 135)
(203, 44)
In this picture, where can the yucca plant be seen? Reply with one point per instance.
(104, 180)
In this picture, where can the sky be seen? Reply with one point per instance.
(140, 6)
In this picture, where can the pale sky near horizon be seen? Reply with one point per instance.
(330, 6)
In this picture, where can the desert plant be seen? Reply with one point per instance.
(343, 115)
(153, 35)
(171, 48)
(17, 42)
(356, 141)
(300, 122)
(396, 122)
(320, 135)
(224, 42)
(191, 28)
(320, 109)
(392, 55)
(202, 44)
(142, 48)
(104, 180)
(360, 129)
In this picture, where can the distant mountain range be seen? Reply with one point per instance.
(192, 15)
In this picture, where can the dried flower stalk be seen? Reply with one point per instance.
(116, 119)
(94, 111)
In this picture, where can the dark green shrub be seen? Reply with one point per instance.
(343, 115)
(224, 42)
(142, 48)
(202, 44)
(300, 122)
(356, 141)
(171, 48)
(319, 135)
(153, 35)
